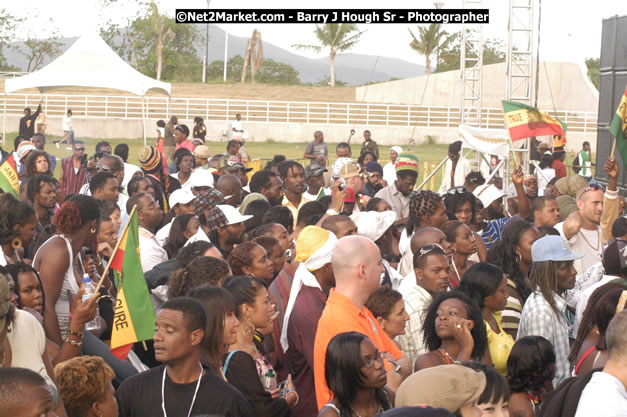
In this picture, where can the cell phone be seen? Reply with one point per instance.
(283, 388)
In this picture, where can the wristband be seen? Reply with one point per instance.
(72, 333)
(332, 212)
(73, 342)
(297, 397)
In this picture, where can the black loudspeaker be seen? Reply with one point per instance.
(613, 83)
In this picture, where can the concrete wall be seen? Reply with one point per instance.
(563, 83)
(259, 132)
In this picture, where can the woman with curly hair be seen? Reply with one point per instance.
(85, 387)
(38, 162)
(464, 244)
(590, 348)
(356, 375)
(366, 157)
(183, 227)
(18, 222)
(460, 205)
(453, 331)
(530, 369)
(513, 255)
(249, 258)
(185, 163)
(203, 271)
(275, 251)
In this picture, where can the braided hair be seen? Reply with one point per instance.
(422, 204)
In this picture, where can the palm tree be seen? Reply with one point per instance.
(163, 33)
(337, 37)
(430, 40)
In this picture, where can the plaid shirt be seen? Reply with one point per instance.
(417, 300)
(539, 319)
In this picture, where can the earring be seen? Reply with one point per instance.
(250, 330)
(518, 258)
(16, 243)
(92, 230)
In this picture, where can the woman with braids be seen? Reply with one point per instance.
(61, 263)
(464, 245)
(530, 369)
(85, 387)
(590, 348)
(251, 259)
(426, 209)
(544, 313)
(356, 375)
(183, 227)
(18, 222)
(513, 255)
(203, 271)
(453, 332)
(222, 325)
(460, 205)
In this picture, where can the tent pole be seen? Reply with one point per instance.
(144, 120)
(4, 119)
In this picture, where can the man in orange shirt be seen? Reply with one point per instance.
(357, 268)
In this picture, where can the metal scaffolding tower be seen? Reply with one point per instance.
(518, 84)
(471, 70)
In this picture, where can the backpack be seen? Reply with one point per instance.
(575, 165)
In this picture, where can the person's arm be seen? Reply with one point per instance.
(52, 273)
(308, 152)
(34, 116)
(611, 203)
(523, 202)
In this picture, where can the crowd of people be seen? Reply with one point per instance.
(331, 289)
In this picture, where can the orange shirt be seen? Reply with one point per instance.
(341, 315)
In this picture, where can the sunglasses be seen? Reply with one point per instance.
(457, 190)
(427, 249)
(592, 187)
(79, 149)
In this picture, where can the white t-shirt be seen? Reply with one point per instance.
(389, 173)
(603, 396)
(67, 123)
(543, 180)
(163, 233)
(588, 242)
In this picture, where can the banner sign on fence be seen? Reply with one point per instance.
(487, 141)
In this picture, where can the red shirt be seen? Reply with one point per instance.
(560, 168)
(186, 144)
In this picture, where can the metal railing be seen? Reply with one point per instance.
(370, 114)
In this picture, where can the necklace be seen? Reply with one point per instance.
(459, 279)
(379, 411)
(449, 359)
(588, 243)
(534, 398)
(189, 413)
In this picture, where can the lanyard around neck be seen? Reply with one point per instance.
(189, 413)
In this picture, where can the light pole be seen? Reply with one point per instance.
(207, 51)
(438, 5)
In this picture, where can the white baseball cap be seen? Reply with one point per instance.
(231, 214)
(181, 196)
(201, 178)
(487, 193)
(372, 224)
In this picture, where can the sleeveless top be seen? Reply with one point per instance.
(500, 345)
(63, 304)
(387, 406)
(584, 357)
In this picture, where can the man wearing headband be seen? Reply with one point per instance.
(312, 281)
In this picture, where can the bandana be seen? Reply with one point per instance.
(314, 248)
(206, 201)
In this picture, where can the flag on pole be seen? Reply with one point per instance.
(8, 176)
(618, 127)
(134, 317)
(524, 121)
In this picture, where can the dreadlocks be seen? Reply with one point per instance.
(422, 204)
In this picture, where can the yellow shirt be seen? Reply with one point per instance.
(500, 345)
(293, 208)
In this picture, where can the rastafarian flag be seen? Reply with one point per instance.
(524, 121)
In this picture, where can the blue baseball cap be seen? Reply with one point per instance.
(553, 248)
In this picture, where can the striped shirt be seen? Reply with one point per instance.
(539, 319)
(73, 179)
(510, 316)
(492, 231)
(417, 300)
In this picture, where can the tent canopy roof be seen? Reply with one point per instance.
(89, 62)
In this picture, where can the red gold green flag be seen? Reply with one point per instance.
(618, 127)
(524, 121)
(134, 317)
(8, 176)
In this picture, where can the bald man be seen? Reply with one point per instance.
(428, 235)
(357, 269)
(340, 225)
(230, 185)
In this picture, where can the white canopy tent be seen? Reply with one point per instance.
(89, 62)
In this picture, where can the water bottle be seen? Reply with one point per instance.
(269, 380)
(89, 292)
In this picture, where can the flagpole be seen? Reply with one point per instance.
(117, 245)
(613, 149)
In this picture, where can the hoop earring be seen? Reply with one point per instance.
(16, 243)
(92, 230)
(518, 258)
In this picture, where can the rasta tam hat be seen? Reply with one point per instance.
(149, 158)
(406, 162)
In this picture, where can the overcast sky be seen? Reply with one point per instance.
(569, 33)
